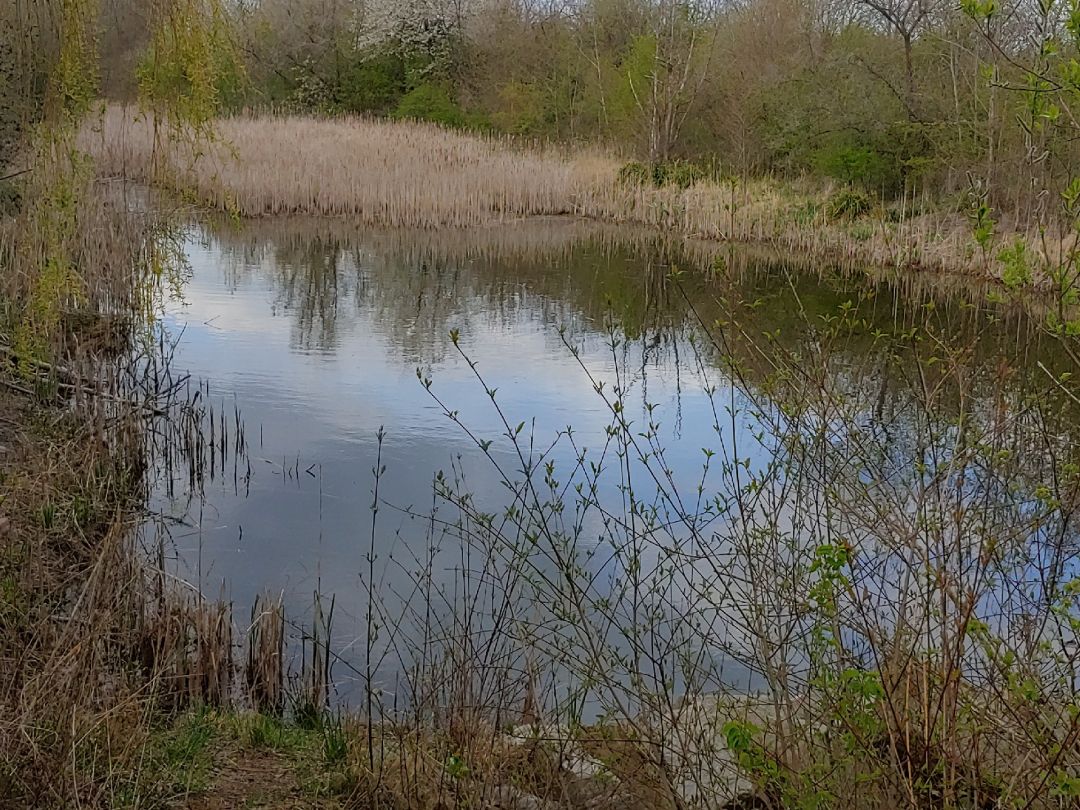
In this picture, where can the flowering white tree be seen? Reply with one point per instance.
(415, 28)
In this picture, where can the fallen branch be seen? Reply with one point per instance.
(16, 387)
(17, 359)
(67, 380)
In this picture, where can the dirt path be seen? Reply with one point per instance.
(254, 779)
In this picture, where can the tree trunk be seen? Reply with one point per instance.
(909, 77)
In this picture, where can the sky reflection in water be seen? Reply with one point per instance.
(316, 334)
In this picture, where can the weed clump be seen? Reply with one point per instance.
(847, 204)
(678, 174)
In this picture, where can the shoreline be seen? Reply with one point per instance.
(169, 672)
(400, 174)
(705, 252)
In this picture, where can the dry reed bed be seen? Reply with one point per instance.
(420, 175)
(763, 211)
(95, 645)
(398, 174)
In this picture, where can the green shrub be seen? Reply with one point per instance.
(374, 85)
(1016, 265)
(856, 164)
(431, 102)
(679, 173)
(683, 174)
(523, 108)
(635, 174)
(848, 203)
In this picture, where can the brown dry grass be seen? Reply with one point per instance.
(414, 174)
(379, 172)
(67, 583)
(93, 645)
(95, 648)
(792, 216)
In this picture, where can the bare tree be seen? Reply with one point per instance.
(906, 18)
(682, 33)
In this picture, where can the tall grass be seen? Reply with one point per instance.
(378, 172)
(414, 174)
(94, 640)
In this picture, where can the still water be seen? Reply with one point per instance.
(318, 338)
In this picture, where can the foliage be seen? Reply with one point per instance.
(982, 224)
(848, 203)
(523, 108)
(636, 174)
(57, 186)
(191, 68)
(372, 85)
(1049, 83)
(1016, 265)
(854, 164)
(680, 174)
(430, 102)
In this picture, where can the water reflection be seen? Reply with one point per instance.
(321, 335)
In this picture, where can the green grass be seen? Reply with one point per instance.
(263, 732)
(186, 750)
(318, 751)
(177, 760)
(190, 754)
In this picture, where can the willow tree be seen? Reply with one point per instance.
(58, 177)
(189, 69)
(53, 45)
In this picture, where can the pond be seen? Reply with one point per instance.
(351, 367)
